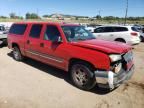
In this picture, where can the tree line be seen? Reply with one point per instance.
(97, 17)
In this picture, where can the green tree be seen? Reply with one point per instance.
(98, 17)
(28, 15)
(12, 15)
(46, 16)
(32, 16)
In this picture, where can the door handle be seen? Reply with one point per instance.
(28, 42)
(41, 44)
(98, 35)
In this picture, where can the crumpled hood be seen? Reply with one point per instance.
(104, 46)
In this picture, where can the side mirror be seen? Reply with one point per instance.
(57, 39)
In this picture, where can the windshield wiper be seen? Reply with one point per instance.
(80, 39)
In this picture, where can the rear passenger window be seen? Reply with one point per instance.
(108, 29)
(120, 29)
(35, 31)
(51, 33)
(18, 29)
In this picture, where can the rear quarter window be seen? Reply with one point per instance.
(18, 29)
(120, 29)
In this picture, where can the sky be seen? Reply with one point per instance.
(73, 7)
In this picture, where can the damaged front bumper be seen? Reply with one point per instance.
(109, 79)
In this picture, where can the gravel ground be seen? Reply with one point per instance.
(31, 84)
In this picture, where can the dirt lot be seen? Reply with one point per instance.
(31, 84)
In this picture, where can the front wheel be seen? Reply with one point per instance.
(82, 76)
(17, 54)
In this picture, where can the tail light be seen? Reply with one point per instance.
(134, 34)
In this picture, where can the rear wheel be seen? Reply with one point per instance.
(121, 40)
(17, 54)
(82, 76)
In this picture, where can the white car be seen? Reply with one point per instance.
(3, 35)
(91, 29)
(125, 34)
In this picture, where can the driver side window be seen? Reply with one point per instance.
(99, 30)
(52, 33)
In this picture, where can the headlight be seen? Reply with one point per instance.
(117, 68)
(115, 57)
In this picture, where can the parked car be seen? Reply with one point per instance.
(125, 34)
(3, 35)
(143, 29)
(73, 49)
(140, 29)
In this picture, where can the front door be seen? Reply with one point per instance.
(52, 48)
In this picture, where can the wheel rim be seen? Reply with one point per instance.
(80, 75)
(16, 54)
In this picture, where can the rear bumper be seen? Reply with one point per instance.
(134, 41)
(111, 80)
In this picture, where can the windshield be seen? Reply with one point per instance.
(77, 33)
(2, 28)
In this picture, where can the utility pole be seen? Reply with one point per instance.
(99, 12)
(126, 13)
(37, 11)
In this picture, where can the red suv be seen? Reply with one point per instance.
(73, 49)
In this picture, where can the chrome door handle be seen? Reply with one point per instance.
(28, 42)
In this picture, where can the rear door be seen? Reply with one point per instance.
(32, 45)
(122, 33)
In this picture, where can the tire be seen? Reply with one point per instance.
(120, 40)
(142, 39)
(82, 76)
(17, 54)
(5, 41)
(1, 42)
